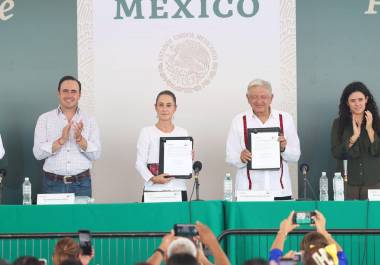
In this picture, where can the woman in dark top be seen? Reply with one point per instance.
(355, 138)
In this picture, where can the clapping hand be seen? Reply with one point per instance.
(369, 120)
(78, 128)
(356, 127)
(65, 134)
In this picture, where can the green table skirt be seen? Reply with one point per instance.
(138, 217)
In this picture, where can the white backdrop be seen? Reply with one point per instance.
(206, 62)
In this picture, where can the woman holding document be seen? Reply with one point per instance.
(148, 147)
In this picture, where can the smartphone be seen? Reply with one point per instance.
(42, 262)
(85, 242)
(303, 218)
(185, 230)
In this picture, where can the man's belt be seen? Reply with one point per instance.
(68, 179)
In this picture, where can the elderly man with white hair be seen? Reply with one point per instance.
(262, 115)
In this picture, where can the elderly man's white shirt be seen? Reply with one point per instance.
(263, 180)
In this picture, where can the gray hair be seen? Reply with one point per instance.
(260, 82)
(182, 245)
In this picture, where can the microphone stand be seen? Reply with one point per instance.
(196, 184)
(197, 188)
(306, 183)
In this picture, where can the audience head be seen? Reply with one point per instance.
(182, 259)
(317, 256)
(316, 249)
(65, 248)
(26, 260)
(182, 245)
(313, 239)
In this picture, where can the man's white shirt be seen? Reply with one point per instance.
(70, 159)
(263, 180)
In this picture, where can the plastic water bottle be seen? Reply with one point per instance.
(338, 184)
(27, 192)
(228, 187)
(323, 187)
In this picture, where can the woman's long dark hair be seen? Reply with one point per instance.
(345, 117)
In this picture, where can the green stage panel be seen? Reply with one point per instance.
(360, 249)
(264, 215)
(138, 217)
(345, 214)
(374, 216)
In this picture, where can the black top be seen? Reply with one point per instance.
(363, 162)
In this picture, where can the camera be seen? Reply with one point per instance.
(185, 230)
(303, 218)
(85, 242)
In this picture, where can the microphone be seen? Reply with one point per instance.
(304, 168)
(197, 166)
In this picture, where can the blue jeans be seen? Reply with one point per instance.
(80, 188)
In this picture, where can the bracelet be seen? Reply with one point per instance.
(161, 251)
